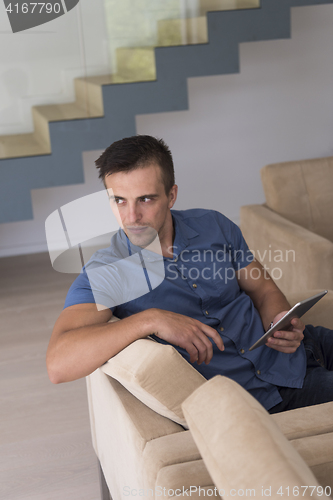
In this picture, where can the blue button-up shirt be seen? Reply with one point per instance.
(200, 282)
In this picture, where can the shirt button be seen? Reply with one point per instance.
(242, 351)
(221, 329)
(206, 312)
(195, 285)
(175, 259)
(259, 372)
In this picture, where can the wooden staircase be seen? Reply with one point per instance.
(148, 79)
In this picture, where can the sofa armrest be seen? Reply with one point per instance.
(121, 427)
(122, 395)
(157, 375)
(296, 258)
(241, 445)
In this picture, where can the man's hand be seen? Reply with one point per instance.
(287, 341)
(188, 333)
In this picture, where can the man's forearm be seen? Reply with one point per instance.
(78, 352)
(269, 305)
(266, 296)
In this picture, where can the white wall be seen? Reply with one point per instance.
(279, 108)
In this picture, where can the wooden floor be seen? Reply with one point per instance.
(45, 444)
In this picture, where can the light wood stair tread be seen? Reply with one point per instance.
(19, 145)
(217, 5)
(101, 80)
(68, 111)
(188, 31)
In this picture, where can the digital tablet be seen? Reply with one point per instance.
(295, 312)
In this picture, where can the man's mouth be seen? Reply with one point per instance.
(137, 229)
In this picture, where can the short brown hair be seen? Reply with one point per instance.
(137, 152)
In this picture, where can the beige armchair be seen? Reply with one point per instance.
(292, 233)
(141, 436)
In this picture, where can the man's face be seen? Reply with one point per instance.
(140, 204)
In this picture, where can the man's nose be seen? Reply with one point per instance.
(133, 214)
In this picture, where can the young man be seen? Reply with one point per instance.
(214, 302)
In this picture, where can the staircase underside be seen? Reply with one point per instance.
(106, 106)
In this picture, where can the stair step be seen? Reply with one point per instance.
(19, 145)
(211, 5)
(137, 63)
(42, 115)
(88, 104)
(88, 92)
(182, 31)
(67, 111)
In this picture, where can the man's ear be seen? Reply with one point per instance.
(173, 195)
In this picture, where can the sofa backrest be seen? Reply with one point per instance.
(302, 192)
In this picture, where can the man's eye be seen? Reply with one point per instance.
(145, 199)
(119, 201)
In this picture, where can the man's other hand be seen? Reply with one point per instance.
(188, 333)
(289, 340)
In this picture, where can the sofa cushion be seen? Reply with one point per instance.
(157, 375)
(186, 476)
(301, 191)
(317, 451)
(304, 422)
(168, 450)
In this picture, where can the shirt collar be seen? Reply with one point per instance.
(183, 233)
